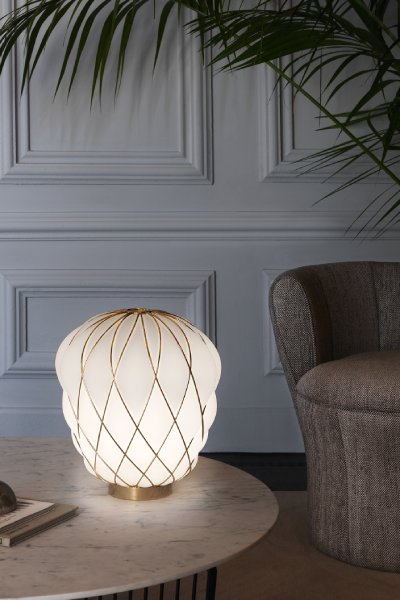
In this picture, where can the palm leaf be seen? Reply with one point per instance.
(311, 36)
(73, 36)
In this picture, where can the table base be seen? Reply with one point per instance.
(209, 592)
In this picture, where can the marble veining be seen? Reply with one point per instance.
(115, 545)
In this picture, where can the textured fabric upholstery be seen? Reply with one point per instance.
(367, 381)
(353, 467)
(337, 328)
(300, 318)
(387, 289)
(350, 295)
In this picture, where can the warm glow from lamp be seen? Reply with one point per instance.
(139, 397)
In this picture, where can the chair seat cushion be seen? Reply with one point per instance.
(369, 381)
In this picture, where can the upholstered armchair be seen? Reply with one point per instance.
(337, 327)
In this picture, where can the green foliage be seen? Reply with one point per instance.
(327, 39)
(312, 38)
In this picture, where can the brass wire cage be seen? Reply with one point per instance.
(139, 397)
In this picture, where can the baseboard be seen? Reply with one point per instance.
(280, 471)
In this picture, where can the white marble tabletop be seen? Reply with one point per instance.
(117, 545)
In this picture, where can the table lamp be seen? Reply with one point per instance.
(139, 398)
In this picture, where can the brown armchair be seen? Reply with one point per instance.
(337, 327)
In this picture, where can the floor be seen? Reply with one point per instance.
(284, 566)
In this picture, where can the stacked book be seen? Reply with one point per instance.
(32, 517)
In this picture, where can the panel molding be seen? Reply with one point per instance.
(191, 163)
(196, 287)
(279, 155)
(272, 363)
(182, 225)
(276, 133)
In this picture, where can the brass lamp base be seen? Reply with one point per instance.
(139, 493)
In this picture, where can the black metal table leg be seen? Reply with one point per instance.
(210, 591)
(211, 583)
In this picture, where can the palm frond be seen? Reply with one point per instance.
(310, 37)
(315, 38)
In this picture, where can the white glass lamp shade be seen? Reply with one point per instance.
(139, 396)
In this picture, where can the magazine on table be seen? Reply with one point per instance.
(32, 517)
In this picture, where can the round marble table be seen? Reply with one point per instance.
(117, 545)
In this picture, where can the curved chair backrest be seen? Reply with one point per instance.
(329, 311)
